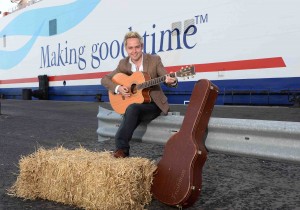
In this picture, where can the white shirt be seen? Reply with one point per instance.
(134, 67)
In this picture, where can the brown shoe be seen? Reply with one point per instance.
(120, 154)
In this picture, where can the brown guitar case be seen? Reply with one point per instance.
(178, 179)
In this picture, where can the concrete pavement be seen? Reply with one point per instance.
(229, 182)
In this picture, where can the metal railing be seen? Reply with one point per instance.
(23, 5)
(275, 140)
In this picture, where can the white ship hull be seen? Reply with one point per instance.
(249, 49)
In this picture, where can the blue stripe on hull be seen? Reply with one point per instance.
(279, 91)
(273, 91)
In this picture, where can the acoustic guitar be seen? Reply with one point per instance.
(178, 179)
(139, 84)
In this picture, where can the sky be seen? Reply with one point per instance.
(6, 5)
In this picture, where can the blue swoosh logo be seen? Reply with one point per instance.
(27, 23)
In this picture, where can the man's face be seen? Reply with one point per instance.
(134, 49)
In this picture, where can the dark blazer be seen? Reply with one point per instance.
(153, 66)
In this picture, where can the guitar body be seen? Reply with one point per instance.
(120, 103)
(139, 84)
(178, 179)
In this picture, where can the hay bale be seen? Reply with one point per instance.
(91, 180)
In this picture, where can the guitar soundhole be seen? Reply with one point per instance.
(133, 89)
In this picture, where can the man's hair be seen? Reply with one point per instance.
(132, 34)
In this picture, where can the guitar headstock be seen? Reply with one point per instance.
(186, 71)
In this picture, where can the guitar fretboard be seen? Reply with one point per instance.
(154, 81)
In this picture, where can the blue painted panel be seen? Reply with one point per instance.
(248, 92)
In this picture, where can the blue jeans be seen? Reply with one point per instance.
(134, 115)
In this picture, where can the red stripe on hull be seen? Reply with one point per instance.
(276, 62)
(236, 65)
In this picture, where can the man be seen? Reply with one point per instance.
(135, 113)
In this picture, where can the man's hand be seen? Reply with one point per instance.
(170, 80)
(124, 91)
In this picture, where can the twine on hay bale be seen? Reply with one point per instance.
(91, 180)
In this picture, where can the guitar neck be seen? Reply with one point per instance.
(154, 81)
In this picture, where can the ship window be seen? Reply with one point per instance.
(4, 40)
(188, 23)
(176, 25)
(52, 27)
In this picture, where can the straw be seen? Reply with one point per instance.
(91, 180)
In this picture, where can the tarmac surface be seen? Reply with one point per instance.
(228, 181)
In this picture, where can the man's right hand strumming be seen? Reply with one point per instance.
(124, 91)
